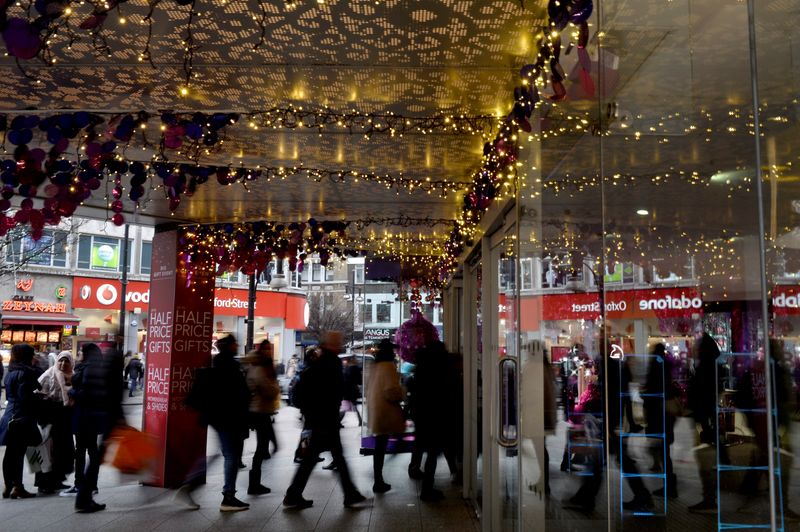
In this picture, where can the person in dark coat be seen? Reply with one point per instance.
(21, 385)
(96, 391)
(659, 415)
(228, 414)
(133, 372)
(431, 412)
(319, 399)
(703, 404)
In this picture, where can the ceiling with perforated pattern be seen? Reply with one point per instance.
(409, 58)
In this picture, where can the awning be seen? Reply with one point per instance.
(39, 318)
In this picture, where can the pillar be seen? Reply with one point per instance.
(180, 324)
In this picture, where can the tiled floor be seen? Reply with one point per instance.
(135, 507)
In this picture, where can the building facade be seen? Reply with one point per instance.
(65, 289)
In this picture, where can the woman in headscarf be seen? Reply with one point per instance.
(384, 395)
(266, 400)
(56, 383)
(19, 420)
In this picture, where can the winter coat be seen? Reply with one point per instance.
(134, 369)
(95, 396)
(266, 391)
(322, 394)
(430, 387)
(384, 395)
(23, 403)
(228, 411)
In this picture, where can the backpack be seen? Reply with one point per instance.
(298, 393)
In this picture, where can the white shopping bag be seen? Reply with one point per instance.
(40, 457)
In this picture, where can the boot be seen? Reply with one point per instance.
(255, 487)
(232, 504)
(6, 491)
(18, 492)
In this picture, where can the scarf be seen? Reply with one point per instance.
(56, 383)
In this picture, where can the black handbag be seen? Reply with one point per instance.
(24, 430)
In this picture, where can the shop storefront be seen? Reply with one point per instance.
(97, 301)
(657, 206)
(36, 310)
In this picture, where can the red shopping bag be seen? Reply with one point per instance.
(131, 450)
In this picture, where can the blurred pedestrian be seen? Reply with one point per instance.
(133, 372)
(351, 393)
(56, 383)
(319, 400)
(266, 398)
(703, 404)
(430, 412)
(18, 425)
(97, 393)
(384, 395)
(660, 398)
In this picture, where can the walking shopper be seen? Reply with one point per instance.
(96, 390)
(18, 428)
(263, 383)
(431, 412)
(133, 372)
(319, 398)
(703, 404)
(227, 413)
(384, 395)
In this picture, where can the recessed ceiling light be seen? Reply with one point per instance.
(642, 212)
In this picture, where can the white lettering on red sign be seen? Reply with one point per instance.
(786, 301)
(668, 302)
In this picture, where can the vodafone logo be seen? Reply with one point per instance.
(668, 302)
(106, 294)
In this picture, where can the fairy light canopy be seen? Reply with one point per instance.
(242, 112)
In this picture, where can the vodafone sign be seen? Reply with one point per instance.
(655, 303)
(104, 294)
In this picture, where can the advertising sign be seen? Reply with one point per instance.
(620, 304)
(105, 256)
(104, 294)
(785, 300)
(374, 335)
(179, 330)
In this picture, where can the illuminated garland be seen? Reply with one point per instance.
(371, 123)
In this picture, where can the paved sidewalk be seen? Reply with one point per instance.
(135, 507)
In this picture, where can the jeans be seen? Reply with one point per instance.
(321, 440)
(132, 388)
(231, 444)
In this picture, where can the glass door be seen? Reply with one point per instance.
(501, 382)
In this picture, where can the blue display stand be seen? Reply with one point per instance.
(658, 433)
(750, 360)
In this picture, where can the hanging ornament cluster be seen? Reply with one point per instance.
(249, 247)
(414, 334)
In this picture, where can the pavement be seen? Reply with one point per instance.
(132, 506)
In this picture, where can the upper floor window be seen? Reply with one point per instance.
(101, 253)
(316, 272)
(145, 257)
(358, 270)
(50, 250)
(383, 312)
(329, 273)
